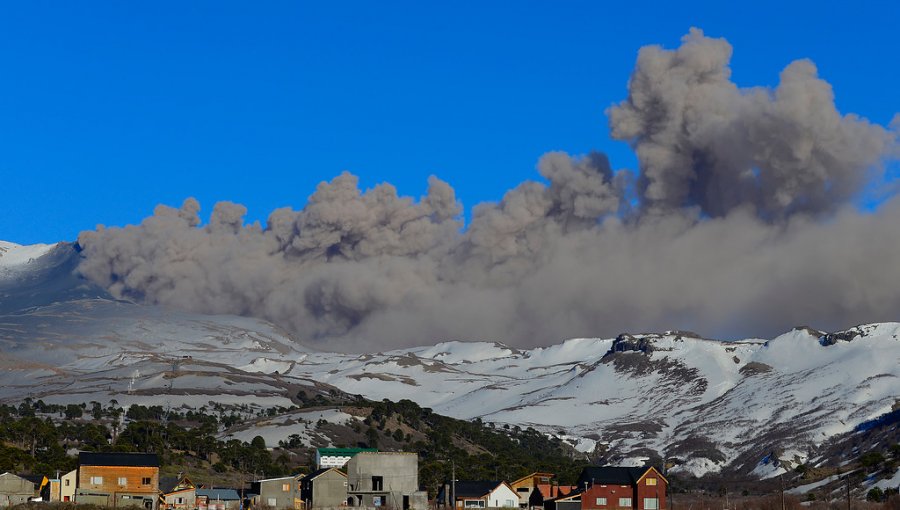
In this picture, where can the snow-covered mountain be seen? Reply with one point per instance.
(752, 406)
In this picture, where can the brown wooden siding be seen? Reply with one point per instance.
(133, 479)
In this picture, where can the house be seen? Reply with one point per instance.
(118, 479)
(279, 493)
(337, 457)
(383, 479)
(611, 488)
(324, 488)
(545, 491)
(67, 484)
(483, 494)
(525, 486)
(15, 489)
(178, 494)
(217, 499)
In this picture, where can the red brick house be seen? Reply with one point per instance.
(615, 488)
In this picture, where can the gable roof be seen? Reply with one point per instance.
(219, 494)
(118, 459)
(289, 477)
(533, 475)
(613, 475)
(321, 471)
(15, 475)
(475, 488)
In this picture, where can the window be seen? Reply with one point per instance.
(179, 501)
(522, 489)
(651, 481)
(474, 503)
(271, 502)
(96, 480)
(651, 504)
(377, 483)
(145, 481)
(67, 482)
(123, 480)
(285, 487)
(601, 501)
(511, 504)
(625, 502)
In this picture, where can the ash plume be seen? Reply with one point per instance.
(742, 225)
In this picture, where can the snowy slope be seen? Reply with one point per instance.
(702, 403)
(754, 406)
(13, 257)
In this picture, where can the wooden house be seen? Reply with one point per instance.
(118, 479)
(622, 488)
(180, 495)
(525, 486)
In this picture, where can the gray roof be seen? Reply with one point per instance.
(219, 494)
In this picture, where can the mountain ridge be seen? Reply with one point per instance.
(701, 405)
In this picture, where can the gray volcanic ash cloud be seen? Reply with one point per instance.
(742, 225)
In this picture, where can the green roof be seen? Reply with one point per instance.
(344, 451)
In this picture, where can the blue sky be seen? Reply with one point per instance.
(107, 109)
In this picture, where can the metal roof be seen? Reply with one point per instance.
(219, 494)
(118, 459)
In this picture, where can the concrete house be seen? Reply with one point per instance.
(279, 493)
(612, 488)
(525, 486)
(382, 479)
(324, 488)
(15, 490)
(118, 479)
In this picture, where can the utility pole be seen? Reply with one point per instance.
(781, 479)
(453, 482)
(848, 491)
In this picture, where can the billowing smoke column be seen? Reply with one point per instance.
(743, 227)
(702, 141)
